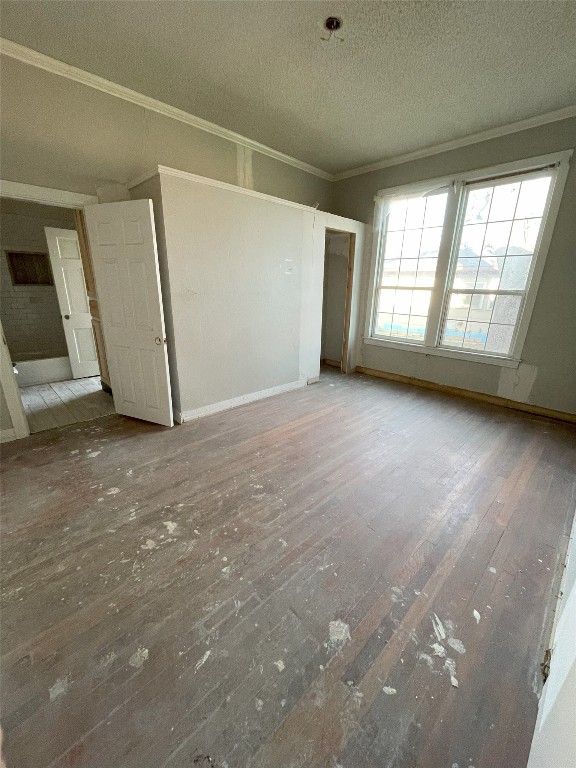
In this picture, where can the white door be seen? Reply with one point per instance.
(68, 273)
(125, 261)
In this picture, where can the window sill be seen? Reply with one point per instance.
(474, 357)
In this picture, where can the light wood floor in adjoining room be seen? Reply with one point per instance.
(296, 583)
(65, 402)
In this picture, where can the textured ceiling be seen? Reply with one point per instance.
(407, 75)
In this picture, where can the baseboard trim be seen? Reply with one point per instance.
(225, 405)
(332, 363)
(471, 394)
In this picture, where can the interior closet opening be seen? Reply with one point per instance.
(338, 271)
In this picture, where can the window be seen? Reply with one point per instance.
(29, 268)
(458, 260)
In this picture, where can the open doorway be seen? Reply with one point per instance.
(336, 306)
(47, 315)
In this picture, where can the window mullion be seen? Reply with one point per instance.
(443, 267)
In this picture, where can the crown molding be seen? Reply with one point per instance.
(465, 141)
(33, 194)
(56, 67)
(163, 170)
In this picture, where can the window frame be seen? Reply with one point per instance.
(457, 186)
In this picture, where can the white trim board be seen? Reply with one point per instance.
(58, 197)
(226, 405)
(464, 141)
(165, 171)
(11, 394)
(6, 435)
(56, 67)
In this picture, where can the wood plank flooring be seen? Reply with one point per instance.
(65, 402)
(296, 583)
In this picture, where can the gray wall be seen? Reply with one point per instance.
(59, 133)
(30, 313)
(334, 304)
(549, 353)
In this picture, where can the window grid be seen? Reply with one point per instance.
(406, 271)
(483, 333)
(484, 289)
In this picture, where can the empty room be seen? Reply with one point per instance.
(287, 384)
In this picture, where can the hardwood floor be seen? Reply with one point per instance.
(65, 402)
(296, 583)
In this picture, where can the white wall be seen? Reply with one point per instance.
(334, 305)
(242, 277)
(236, 268)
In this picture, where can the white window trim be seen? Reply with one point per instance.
(455, 184)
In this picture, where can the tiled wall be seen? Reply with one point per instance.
(30, 314)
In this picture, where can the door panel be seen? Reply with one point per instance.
(68, 272)
(125, 261)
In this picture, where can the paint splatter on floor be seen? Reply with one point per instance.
(170, 525)
(202, 661)
(339, 634)
(59, 687)
(138, 658)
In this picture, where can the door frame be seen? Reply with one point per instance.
(12, 396)
(46, 196)
(358, 233)
(345, 364)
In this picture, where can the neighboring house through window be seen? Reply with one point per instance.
(458, 260)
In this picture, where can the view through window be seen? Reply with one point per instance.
(474, 265)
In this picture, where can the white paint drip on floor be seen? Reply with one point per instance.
(138, 658)
(202, 661)
(226, 571)
(492, 569)
(458, 645)
(259, 705)
(59, 687)
(476, 615)
(389, 691)
(438, 628)
(339, 634)
(428, 659)
(438, 650)
(450, 667)
(170, 525)
(150, 544)
(93, 454)
(280, 665)
(108, 659)
(112, 491)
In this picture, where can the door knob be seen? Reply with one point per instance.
(66, 317)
